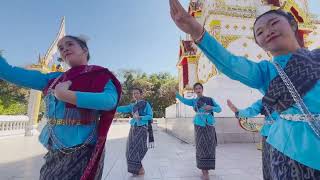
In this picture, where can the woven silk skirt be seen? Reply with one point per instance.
(206, 142)
(136, 148)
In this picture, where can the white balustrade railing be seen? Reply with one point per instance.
(13, 125)
(121, 120)
(17, 125)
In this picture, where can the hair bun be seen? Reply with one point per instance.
(84, 38)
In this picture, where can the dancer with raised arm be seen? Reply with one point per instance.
(290, 83)
(205, 133)
(80, 105)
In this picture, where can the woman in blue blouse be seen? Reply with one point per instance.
(290, 83)
(205, 134)
(80, 105)
(137, 140)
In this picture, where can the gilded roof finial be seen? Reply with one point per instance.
(282, 6)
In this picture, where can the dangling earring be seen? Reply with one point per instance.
(269, 54)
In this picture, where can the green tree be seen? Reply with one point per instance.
(13, 99)
(159, 89)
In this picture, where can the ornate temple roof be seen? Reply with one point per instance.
(195, 8)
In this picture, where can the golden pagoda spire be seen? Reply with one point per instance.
(43, 62)
(53, 47)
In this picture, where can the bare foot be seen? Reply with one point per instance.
(141, 172)
(205, 174)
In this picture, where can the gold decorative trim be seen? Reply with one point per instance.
(221, 8)
(211, 74)
(226, 40)
(193, 59)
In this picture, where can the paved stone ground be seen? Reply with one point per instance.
(21, 159)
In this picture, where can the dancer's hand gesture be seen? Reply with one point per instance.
(208, 108)
(232, 106)
(61, 88)
(184, 20)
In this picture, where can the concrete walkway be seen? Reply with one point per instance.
(21, 158)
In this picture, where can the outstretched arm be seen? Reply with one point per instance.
(22, 77)
(248, 112)
(124, 109)
(237, 68)
(252, 111)
(185, 101)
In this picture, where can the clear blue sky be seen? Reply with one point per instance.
(136, 34)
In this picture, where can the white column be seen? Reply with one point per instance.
(33, 112)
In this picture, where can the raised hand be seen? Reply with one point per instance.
(232, 106)
(184, 20)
